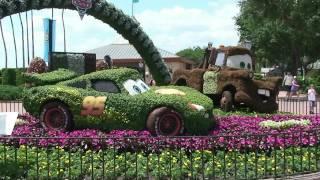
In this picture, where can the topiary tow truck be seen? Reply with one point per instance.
(227, 78)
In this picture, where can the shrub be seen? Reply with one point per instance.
(37, 65)
(49, 78)
(13, 76)
(19, 76)
(8, 92)
(9, 76)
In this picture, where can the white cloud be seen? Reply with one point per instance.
(178, 28)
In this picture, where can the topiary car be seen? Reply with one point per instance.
(118, 99)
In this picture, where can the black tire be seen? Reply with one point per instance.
(56, 116)
(165, 122)
(226, 101)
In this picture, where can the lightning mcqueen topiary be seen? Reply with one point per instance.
(118, 99)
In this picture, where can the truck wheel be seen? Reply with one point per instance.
(56, 116)
(226, 101)
(165, 122)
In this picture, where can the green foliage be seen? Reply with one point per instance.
(258, 76)
(284, 124)
(118, 76)
(281, 31)
(13, 76)
(313, 78)
(49, 78)
(167, 164)
(244, 111)
(305, 84)
(123, 111)
(195, 54)
(8, 92)
(19, 76)
(9, 76)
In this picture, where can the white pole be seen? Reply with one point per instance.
(132, 8)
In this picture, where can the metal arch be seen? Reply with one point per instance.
(4, 45)
(22, 41)
(14, 42)
(107, 13)
(27, 27)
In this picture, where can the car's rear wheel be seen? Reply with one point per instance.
(56, 116)
(226, 101)
(165, 122)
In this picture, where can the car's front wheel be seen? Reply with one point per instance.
(164, 121)
(56, 116)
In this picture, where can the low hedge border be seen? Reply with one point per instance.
(13, 76)
(8, 92)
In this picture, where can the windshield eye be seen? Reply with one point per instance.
(135, 87)
(142, 85)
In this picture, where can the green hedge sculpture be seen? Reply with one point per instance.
(49, 78)
(107, 13)
(122, 111)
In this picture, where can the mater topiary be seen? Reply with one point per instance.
(49, 78)
(37, 65)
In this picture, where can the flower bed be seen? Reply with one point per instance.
(233, 132)
(239, 148)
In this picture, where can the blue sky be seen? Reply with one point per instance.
(171, 24)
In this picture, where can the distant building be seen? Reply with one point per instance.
(125, 55)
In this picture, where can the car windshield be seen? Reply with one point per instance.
(240, 61)
(135, 87)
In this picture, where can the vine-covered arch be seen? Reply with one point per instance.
(109, 14)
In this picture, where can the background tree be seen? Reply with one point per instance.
(282, 31)
(195, 54)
